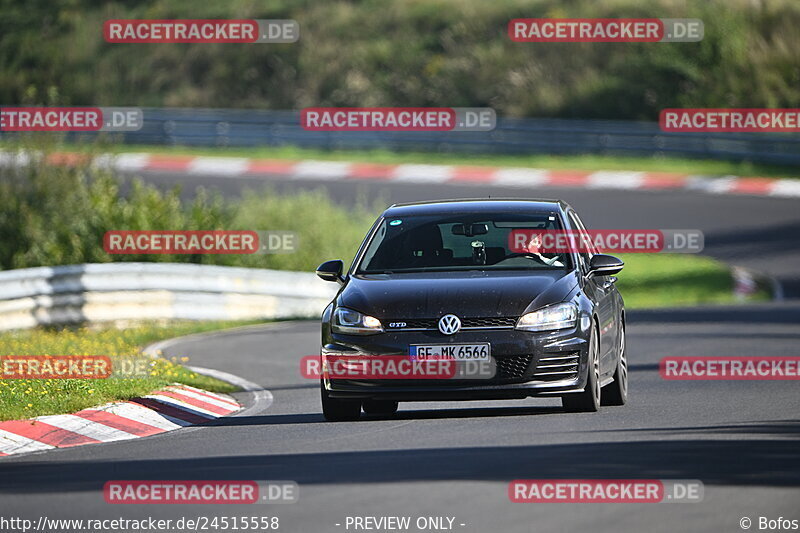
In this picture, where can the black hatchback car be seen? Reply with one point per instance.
(442, 279)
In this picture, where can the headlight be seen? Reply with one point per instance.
(354, 323)
(558, 316)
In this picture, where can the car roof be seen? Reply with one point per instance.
(476, 205)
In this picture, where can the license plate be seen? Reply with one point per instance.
(456, 352)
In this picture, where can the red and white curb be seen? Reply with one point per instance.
(456, 174)
(432, 174)
(164, 410)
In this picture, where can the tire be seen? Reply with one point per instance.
(379, 407)
(335, 410)
(616, 392)
(588, 400)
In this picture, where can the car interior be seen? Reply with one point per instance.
(443, 245)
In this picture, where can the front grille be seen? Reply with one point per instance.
(557, 367)
(512, 366)
(491, 322)
(466, 323)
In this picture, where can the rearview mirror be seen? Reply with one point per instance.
(331, 270)
(470, 230)
(604, 265)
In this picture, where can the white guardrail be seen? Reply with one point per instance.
(153, 291)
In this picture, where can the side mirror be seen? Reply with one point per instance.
(604, 265)
(331, 270)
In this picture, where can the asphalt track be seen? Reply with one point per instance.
(457, 459)
(756, 232)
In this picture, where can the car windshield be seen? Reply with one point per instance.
(480, 241)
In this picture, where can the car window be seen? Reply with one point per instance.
(585, 256)
(457, 242)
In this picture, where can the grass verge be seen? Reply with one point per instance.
(26, 398)
(587, 162)
(666, 280)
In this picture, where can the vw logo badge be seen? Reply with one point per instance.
(449, 324)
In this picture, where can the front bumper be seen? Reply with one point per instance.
(527, 364)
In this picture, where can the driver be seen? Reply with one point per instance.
(534, 246)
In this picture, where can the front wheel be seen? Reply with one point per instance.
(616, 392)
(588, 400)
(336, 410)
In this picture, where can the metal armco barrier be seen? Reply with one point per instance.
(246, 127)
(153, 291)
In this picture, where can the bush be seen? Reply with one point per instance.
(56, 215)
(407, 53)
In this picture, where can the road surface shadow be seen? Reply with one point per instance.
(764, 427)
(415, 414)
(766, 313)
(715, 461)
(271, 388)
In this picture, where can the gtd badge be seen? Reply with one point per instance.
(449, 324)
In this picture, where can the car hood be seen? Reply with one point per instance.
(466, 294)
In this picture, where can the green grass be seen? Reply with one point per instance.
(57, 215)
(563, 162)
(26, 398)
(664, 280)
